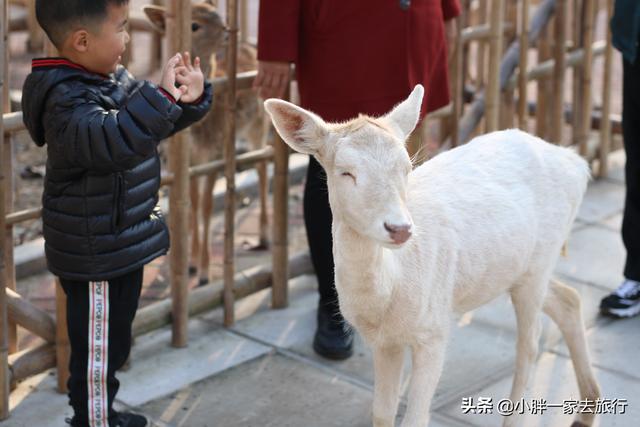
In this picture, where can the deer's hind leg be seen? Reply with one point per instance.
(562, 305)
(194, 195)
(527, 298)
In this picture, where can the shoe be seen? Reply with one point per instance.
(624, 301)
(121, 419)
(334, 337)
(129, 419)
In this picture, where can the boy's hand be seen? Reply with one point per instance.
(190, 75)
(168, 79)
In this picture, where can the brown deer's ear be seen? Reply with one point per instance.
(157, 17)
(213, 3)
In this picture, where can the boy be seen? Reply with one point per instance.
(100, 220)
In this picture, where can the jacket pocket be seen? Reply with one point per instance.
(117, 208)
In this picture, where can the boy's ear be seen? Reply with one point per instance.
(157, 17)
(302, 130)
(79, 40)
(404, 116)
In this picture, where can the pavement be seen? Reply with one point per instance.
(263, 372)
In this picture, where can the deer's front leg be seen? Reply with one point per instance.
(427, 366)
(388, 362)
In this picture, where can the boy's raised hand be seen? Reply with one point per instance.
(168, 79)
(190, 76)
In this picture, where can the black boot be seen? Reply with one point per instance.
(334, 338)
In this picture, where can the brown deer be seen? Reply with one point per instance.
(209, 42)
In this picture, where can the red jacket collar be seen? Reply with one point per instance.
(45, 63)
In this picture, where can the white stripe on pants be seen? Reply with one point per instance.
(98, 353)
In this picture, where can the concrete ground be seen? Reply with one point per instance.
(263, 372)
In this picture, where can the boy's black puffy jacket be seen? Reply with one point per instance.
(99, 215)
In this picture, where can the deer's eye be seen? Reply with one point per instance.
(349, 175)
(195, 27)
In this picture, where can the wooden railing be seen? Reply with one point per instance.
(488, 69)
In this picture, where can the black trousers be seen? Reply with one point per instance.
(99, 318)
(317, 220)
(631, 134)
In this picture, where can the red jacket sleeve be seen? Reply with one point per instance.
(278, 30)
(450, 9)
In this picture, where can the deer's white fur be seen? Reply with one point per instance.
(487, 218)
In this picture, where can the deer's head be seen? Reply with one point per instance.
(209, 32)
(366, 162)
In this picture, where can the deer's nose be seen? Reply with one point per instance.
(399, 233)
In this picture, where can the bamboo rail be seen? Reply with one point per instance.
(523, 65)
(4, 332)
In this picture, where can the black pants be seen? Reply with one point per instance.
(317, 220)
(631, 134)
(93, 308)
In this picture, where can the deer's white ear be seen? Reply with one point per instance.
(302, 130)
(404, 116)
(157, 17)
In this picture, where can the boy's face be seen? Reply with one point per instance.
(108, 43)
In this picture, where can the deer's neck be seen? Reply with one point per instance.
(362, 269)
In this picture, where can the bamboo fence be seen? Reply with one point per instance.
(495, 39)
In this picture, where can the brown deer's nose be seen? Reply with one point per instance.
(399, 233)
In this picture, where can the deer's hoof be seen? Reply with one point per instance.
(262, 245)
(203, 281)
(192, 271)
(578, 424)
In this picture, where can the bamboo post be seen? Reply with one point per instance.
(481, 67)
(507, 113)
(36, 34)
(179, 38)
(577, 43)
(156, 44)
(244, 21)
(457, 76)
(63, 349)
(588, 15)
(230, 169)
(559, 72)
(605, 124)
(127, 55)
(7, 165)
(524, 65)
(280, 254)
(542, 87)
(495, 53)
(4, 349)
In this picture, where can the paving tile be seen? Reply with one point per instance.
(554, 381)
(292, 329)
(611, 345)
(158, 369)
(271, 391)
(36, 402)
(596, 255)
(603, 199)
(614, 222)
(617, 161)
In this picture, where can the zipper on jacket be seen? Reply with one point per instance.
(118, 203)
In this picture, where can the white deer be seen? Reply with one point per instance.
(413, 247)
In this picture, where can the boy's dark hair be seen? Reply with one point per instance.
(59, 17)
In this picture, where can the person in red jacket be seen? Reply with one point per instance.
(351, 57)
